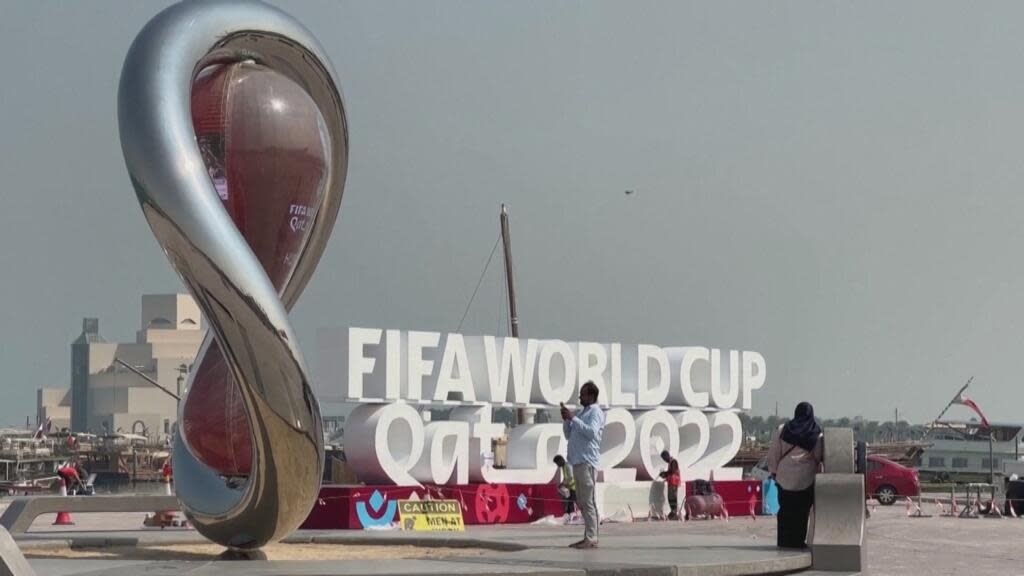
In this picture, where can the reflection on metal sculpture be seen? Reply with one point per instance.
(234, 135)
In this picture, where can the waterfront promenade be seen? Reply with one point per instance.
(640, 549)
(897, 545)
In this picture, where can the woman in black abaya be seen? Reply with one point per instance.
(794, 459)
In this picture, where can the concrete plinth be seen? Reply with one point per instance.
(839, 450)
(838, 543)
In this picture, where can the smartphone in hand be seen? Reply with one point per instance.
(566, 415)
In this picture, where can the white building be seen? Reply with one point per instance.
(54, 405)
(106, 397)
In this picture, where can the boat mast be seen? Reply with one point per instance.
(523, 415)
(506, 241)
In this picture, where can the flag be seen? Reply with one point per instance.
(43, 430)
(965, 401)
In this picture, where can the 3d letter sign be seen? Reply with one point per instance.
(681, 399)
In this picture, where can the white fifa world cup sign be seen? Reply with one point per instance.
(682, 399)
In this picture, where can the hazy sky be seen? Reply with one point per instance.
(834, 184)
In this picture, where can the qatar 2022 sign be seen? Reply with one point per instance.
(682, 399)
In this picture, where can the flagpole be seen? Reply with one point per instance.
(955, 396)
(991, 462)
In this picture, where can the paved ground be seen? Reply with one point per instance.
(897, 545)
(939, 546)
(670, 549)
(647, 549)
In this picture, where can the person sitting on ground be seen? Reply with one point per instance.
(702, 487)
(672, 479)
(566, 485)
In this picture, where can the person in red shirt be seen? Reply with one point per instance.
(69, 475)
(673, 478)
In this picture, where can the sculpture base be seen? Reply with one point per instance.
(230, 554)
(369, 507)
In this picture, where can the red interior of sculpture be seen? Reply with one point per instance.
(265, 145)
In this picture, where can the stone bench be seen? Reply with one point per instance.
(838, 538)
(23, 511)
(838, 541)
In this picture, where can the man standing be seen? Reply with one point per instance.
(584, 430)
(673, 479)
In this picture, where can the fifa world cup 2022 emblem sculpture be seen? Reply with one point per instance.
(234, 134)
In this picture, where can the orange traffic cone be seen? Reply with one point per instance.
(63, 518)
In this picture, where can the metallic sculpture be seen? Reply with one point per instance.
(234, 135)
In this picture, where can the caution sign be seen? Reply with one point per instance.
(431, 515)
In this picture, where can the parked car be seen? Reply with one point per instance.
(884, 480)
(888, 481)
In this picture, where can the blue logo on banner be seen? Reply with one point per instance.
(382, 515)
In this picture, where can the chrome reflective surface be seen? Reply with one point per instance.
(243, 508)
